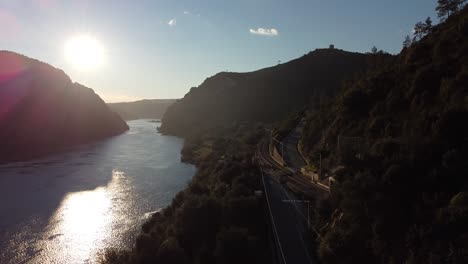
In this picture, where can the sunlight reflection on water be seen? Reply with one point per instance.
(69, 208)
(84, 222)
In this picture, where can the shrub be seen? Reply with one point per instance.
(232, 246)
(170, 252)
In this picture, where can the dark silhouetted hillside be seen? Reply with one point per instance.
(150, 109)
(264, 95)
(399, 137)
(42, 110)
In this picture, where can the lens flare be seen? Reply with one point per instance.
(84, 52)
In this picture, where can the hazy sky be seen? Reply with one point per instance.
(159, 49)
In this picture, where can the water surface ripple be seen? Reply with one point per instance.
(68, 207)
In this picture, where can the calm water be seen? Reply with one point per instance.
(69, 207)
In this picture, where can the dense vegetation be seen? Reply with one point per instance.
(143, 109)
(395, 138)
(42, 110)
(266, 95)
(217, 218)
(401, 135)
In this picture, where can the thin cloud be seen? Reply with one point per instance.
(271, 32)
(172, 22)
(191, 13)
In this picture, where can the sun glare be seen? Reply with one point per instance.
(84, 52)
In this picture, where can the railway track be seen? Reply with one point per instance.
(294, 180)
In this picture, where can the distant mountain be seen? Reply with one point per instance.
(151, 109)
(42, 110)
(264, 95)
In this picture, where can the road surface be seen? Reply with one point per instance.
(289, 223)
(292, 157)
(289, 220)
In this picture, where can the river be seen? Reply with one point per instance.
(69, 207)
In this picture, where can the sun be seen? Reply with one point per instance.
(84, 52)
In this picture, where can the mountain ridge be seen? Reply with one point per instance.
(264, 95)
(142, 109)
(43, 111)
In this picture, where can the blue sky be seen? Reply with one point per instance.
(159, 49)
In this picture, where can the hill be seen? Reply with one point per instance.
(265, 95)
(42, 110)
(397, 142)
(150, 109)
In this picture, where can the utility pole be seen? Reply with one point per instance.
(320, 111)
(282, 150)
(320, 172)
(271, 140)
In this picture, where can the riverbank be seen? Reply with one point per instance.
(217, 218)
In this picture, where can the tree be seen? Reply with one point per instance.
(374, 50)
(445, 8)
(418, 31)
(171, 252)
(428, 25)
(422, 28)
(407, 42)
(232, 246)
(457, 5)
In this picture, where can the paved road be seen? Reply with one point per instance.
(291, 155)
(288, 221)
